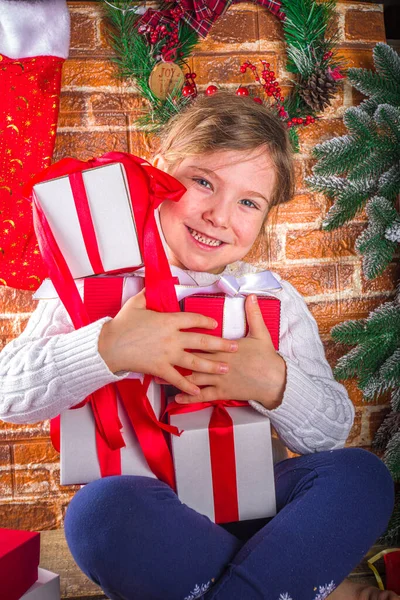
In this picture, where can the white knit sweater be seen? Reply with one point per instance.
(51, 367)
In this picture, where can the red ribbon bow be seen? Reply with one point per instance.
(148, 187)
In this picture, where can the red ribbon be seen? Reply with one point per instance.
(85, 221)
(222, 454)
(148, 187)
(147, 428)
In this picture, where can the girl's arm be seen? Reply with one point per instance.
(50, 366)
(316, 413)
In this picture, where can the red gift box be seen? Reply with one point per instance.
(228, 429)
(230, 314)
(19, 561)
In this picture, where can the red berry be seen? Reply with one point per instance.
(258, 100)
(187, 75)
(312, 120)
(243, 69)
(187, 90)
(272, 74)
(193, 75)
(289, 123)
(282, 99)
(269, 93)
(211, 90)
(267, 65)
(242, 91)
(300, 121)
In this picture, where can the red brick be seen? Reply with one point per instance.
(220, 69)
(270, 28)
(327, 314)
(310, 280)
(345, 274)
(5, 455)
(82, 72)
(233, 31)
(32, 482)
(83, 33)
(35, 453)
(359, 308)
(359, 57)
(90, 144)
(142, 144)
(5, 484)
(367, 26)
(318, 132)
(322, 244)
(385, 282)
(16, 301)
(302, 208)
(11, 431)
(30, 516)
(355, 431)
(73, 109)
(126, 103)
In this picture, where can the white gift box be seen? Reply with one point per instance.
(47, 587)
(78, 454)
(111, 211)
(253, 459)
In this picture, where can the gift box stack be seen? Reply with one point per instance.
(95, 224)
(21, 578)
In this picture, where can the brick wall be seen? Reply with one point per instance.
(98, 114)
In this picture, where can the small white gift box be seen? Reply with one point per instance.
(47, 587)
(252, 474)
(79, 462)
(111, 213)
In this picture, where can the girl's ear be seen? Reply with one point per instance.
(159, 162)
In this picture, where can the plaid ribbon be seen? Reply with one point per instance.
(201, 14)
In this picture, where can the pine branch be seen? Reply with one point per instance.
(350, 332)
(389, 182)
(374, 85)
(387, 63)
(392, 456)
(338, 155)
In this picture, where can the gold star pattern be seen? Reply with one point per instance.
(9, 118)
(13, 245)
(36, 252)
(25, 264)
(27, 123)
(13, 273)
(6, 230)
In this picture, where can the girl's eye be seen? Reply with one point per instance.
(250, 204)
(203, 182)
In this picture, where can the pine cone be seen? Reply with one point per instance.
(318, 90)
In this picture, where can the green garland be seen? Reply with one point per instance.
(310, 48)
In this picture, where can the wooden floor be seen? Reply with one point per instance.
(55, 556)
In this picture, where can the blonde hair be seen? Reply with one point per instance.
(225, 121)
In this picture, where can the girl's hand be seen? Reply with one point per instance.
(256, 371)
(146, 341)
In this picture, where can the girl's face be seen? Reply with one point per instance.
(220, 215)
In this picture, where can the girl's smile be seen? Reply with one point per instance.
(220, 215)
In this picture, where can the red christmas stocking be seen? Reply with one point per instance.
(32, 52)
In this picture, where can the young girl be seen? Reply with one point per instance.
(132, 535)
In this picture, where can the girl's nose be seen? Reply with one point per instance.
(218, 214)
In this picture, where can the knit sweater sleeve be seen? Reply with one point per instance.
(316, 412)
(51, 366)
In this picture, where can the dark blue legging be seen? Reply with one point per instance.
(133, 536)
